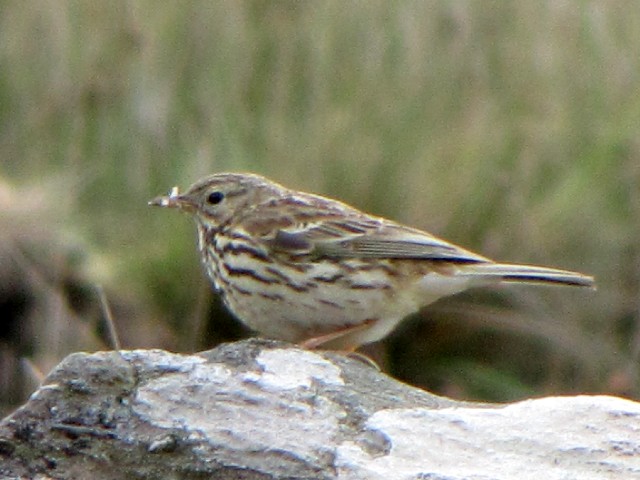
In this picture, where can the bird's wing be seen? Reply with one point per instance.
(387, 240)
(342, 232)
(395, 241)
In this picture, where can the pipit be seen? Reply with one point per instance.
(307, 269)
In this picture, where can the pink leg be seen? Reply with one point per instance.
(315, 342)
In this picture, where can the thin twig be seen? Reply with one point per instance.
(32, 370)
(106, 310)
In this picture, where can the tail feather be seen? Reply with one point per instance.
(528, 274)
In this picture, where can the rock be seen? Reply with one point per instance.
(266, 410)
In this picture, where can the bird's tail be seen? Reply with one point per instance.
(527, 274)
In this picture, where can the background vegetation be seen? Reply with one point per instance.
(511, 128)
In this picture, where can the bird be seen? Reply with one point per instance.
(311, 270)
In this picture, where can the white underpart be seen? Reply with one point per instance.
(436, 285)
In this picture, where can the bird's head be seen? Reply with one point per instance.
(217, 199)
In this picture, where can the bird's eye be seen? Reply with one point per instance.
(215, 197)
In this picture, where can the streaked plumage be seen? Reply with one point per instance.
(304, 268)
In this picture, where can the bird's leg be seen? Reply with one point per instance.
(315, 342)
(349, 351)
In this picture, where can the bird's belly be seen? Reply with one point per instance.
(299, 318)
(295, 302)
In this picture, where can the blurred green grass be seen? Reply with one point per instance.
(511, 128)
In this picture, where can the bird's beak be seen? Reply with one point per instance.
(174, 200)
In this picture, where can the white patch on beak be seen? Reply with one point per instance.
(169, 201)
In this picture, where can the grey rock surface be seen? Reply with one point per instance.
(265, 410)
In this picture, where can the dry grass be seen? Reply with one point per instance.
(508, 127)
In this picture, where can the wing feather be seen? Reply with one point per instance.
(365, 239)
(303, 224)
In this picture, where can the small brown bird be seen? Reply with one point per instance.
(307, 269)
